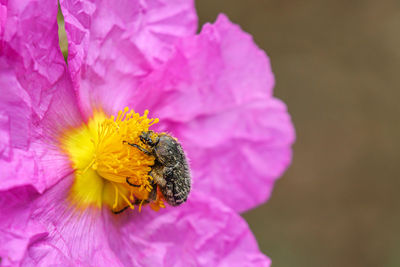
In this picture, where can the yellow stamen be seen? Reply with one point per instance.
(127, 201)
(103, 160)
(116, 196)
(140, 206)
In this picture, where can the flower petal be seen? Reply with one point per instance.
(3, 16)
(219, 69)
(43, 230)
(17, 232)
(201, 232)
(112, 45)
(37, 99)
(215, 96)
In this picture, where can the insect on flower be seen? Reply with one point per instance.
(170, 170)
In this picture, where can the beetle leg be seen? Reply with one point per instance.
(140, 148)
(134, 185)
(120, 211)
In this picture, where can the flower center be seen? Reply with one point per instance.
(107, 169)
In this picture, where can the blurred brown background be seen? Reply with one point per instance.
(337, 66)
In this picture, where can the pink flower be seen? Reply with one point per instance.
(213, 91)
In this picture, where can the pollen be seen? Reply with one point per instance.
(107, 169)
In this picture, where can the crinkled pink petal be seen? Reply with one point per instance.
(37, 99)
(3, 15)
(215, 95)
(73, 238)
(112, 46)
(219, 69)
(44, 231)
(16, 229)
(202, 232)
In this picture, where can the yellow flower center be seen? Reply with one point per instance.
(109, 171)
